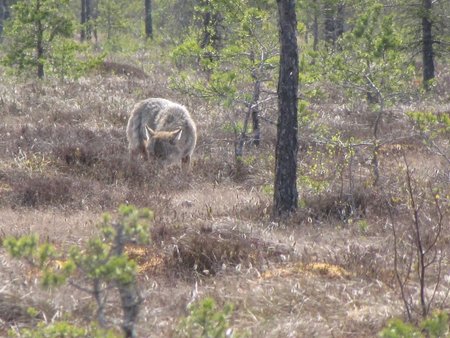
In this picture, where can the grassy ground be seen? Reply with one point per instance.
(326, 272)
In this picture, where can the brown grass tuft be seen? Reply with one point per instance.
(210, 251)
(43, 191)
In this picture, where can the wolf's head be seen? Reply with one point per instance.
(164, 144)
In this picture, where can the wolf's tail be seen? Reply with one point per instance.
(136, 133)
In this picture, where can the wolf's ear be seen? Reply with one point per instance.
(150, 131)
(176, 135)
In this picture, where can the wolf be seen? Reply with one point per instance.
(163, 130)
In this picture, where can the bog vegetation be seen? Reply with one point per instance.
(94, 245)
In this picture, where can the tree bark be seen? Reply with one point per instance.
(85, 17)
(39, 44)
(334, 21)
(148, 19)
(427, 44)
(254, 105)
(316, 29)
(4, 13)
(83, 20)
(285, 187)
(130, 295)
(212, 26)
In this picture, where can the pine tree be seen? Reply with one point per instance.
(33, 27)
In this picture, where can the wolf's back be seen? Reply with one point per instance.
(161, 115)
(144, 113)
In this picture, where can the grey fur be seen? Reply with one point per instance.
(161, 129)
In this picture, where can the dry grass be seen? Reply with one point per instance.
(327, 272)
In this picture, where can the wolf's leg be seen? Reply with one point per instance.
(133, 154)
(186, 163)
(144, 152)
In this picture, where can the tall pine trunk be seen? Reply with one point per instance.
(285, 187)
(427, 44)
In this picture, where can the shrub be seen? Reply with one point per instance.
(63, 329)
(103, 264)
(437, 325)
(399, 329)
(37, 191)
(206, 320)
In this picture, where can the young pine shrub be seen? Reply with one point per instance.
(206, 319)
(100, 267)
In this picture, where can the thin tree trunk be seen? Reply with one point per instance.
(89, 10)
(39, 45)
(316, 30)
(339, 21)
(85, 18)
(94, 15)
(285, 187)
(4, 14)
(255, 119)
(97, 292)
(254, 105)
(334, 21)
(427, 44)
(329, 29)
(148, 19)
(131, 301)
(212, 26)
(130, 296)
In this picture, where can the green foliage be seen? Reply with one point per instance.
(32, 29)
(305, 116)
(206, 320)
(311, 73)
(437, 325)
(232, 55)
(28, 248)
(63, 329)
(267, 189)
(430, 122)
(433, 327)
(98, 260)
(370, 60)
(247, 52)
(363, 225)
(70, 59)
(33, 312)
(233, 127)
(318, 174)
(102, 262)
(399, 329)
(120, 18)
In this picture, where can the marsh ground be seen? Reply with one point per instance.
(328, 271)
